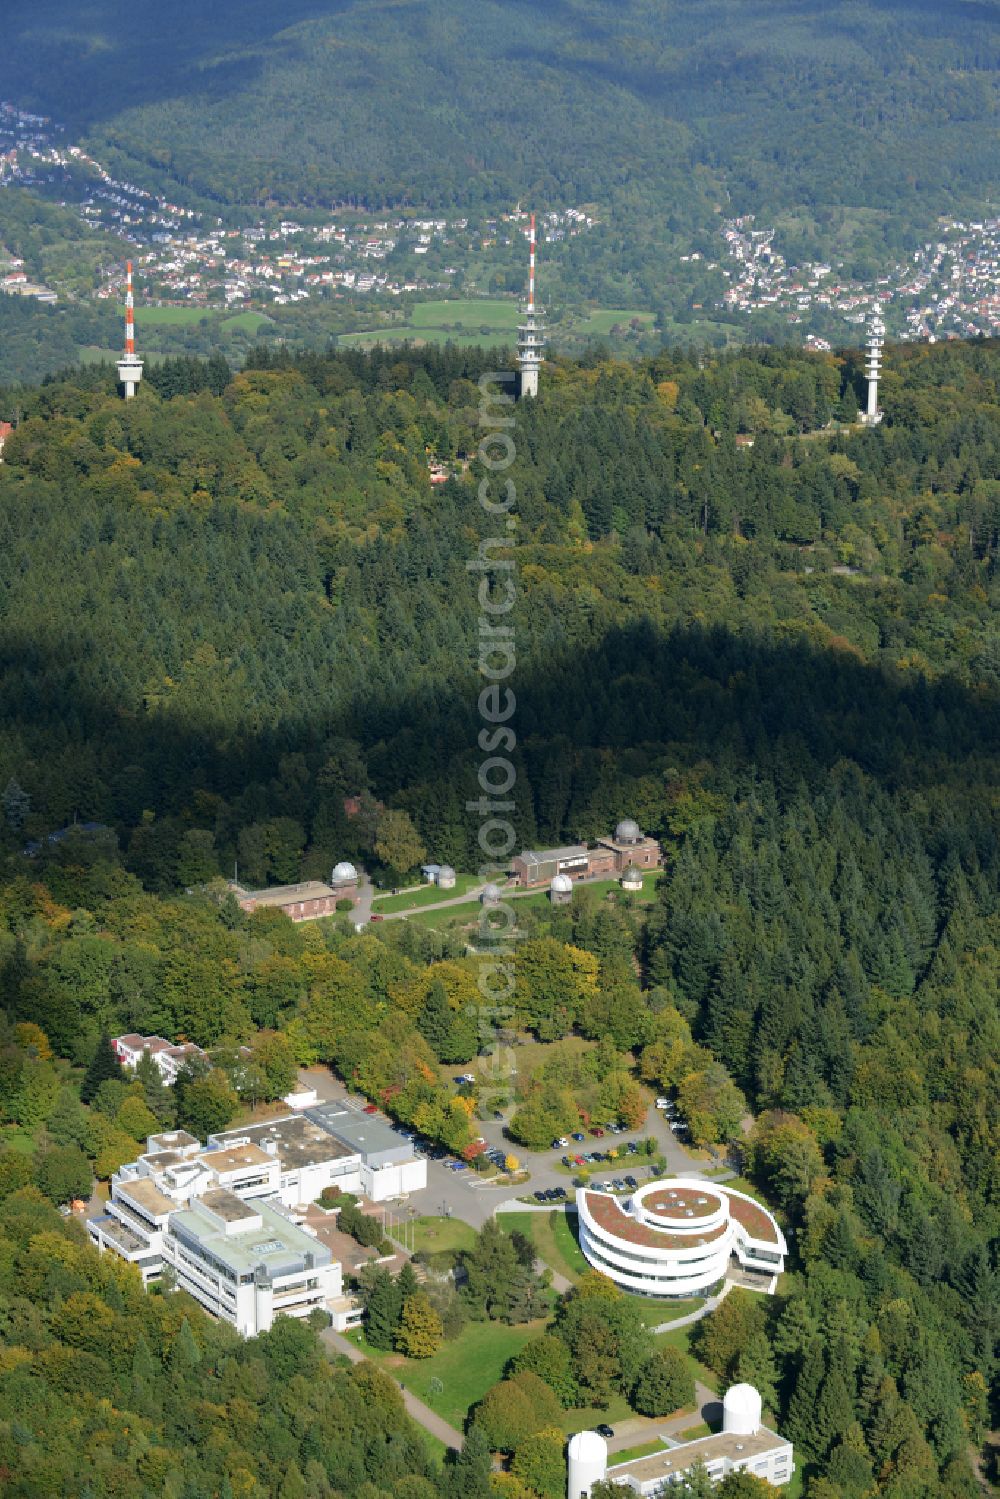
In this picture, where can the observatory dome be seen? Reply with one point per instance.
(490, 895)
(562, 884)
(342, 873)
(587, 1457)
(446, 872)
(741, 1410)
(627, 831)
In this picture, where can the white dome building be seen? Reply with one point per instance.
(344, 873)
(628, 831)
(561, 890)
(446, 877)
(677, 1237)
(490, 895)
(742, 1410)
(744, 1444)
(632, 879)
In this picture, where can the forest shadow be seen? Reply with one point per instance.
(640, 697)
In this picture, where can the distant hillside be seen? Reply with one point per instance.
(656, 108)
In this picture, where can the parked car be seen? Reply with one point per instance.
(376, 916)
(371, 1108)
(460, 1166)
(596, 1131)
(497, 1114)
(632, 1148)
(618, 1184)
(467, 1077)
(579, 1160)
(663, 1103)
(560, 1144)
(631, 1183)
(539, 1196)
(579, 1135)
(605, 1431)
(559, 1192)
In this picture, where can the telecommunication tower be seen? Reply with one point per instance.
(129, 367)
(530, 342)
(873, 368)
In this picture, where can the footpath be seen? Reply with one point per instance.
(420, 1412)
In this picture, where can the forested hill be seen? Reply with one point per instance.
(236, 600)
(669, 109)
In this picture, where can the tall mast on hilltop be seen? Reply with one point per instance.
(530, 341)
(129, 367)
(873, 368)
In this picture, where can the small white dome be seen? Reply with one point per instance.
(490, 895)
(342, 873)
(627, 831)
(587, 1462)
(446, 872)
(741, 1410)
(562, 884)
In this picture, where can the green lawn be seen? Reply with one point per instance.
(17, 1140)
(467, 1366)
(470, 313)
(427, 895)
(680, 1337)
(630, 1454)
(552, 1237)
(177, 317)
(432, 1235)
(537, 900)
(604, 319)
(250, 322)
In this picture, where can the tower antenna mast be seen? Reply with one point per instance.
(873, 368)
(129, 367)
(530, 341)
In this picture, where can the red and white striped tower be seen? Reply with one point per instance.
(530, 340)
(129, 367)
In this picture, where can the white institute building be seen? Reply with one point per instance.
(744, 1443)
(677, 1237)
(219, 1215)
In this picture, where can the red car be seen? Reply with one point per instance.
(371, 1108)
(579, 1161)
(596, 1131)
(375, 916)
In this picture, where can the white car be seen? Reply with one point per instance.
(663, 1103)
(560, 1144)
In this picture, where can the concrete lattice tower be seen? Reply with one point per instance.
(873, 368)
(530, 340)
(129, 367)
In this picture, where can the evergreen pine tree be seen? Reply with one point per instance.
(799, 1422)
(382, 1311)
(104, 1064)
(469, 1475)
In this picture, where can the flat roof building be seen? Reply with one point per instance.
(743, 1444)
(606, 858)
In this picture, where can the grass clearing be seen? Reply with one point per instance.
(434, 1235)
(680, 1337)
(603, 319)
(468, 313)
(428, 895)
(467, 1366)
(17, 1140)
(173, 317)
(631, 1454)
(248, 322)
(552, 1237)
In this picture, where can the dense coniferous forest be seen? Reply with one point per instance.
(238, 599)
